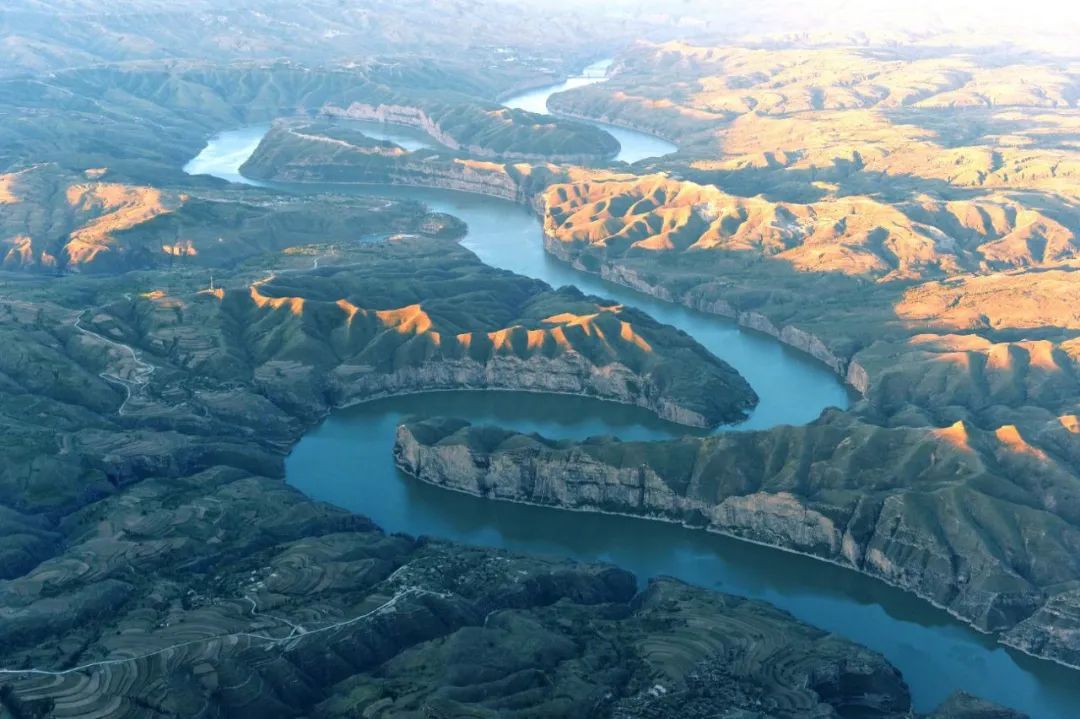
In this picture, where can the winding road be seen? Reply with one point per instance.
(140, 376)
(296, 634)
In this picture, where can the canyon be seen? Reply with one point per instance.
(833, 315)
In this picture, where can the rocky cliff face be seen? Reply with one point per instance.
(573, 479)
(570, 373)
(855, 495)
(395, 115)
(418, 118)
(792, 336)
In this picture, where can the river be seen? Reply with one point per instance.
(347, 461)
(634, 145)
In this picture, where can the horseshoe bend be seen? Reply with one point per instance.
(495, 359)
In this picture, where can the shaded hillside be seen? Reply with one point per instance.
(148, 121)
(414, 315)
(328, 152)
(983, 523)
(56, 221)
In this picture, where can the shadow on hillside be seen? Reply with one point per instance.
(844, 179)
(960, 127)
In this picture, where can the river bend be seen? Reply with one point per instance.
(347, 461)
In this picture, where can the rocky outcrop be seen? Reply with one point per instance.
(286, 156)
(838, 490)
(1052, 631)
(569, 374)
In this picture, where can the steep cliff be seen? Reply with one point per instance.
(929, 511)
(488, 132)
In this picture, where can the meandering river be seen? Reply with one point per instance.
(347, 461)
(634, 145)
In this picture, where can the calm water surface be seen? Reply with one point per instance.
(635, 145)
(404, 137)
(347, 461)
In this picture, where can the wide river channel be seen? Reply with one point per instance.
(347, 461)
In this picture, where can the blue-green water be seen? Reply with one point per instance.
(635, 145)
(347, 461)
